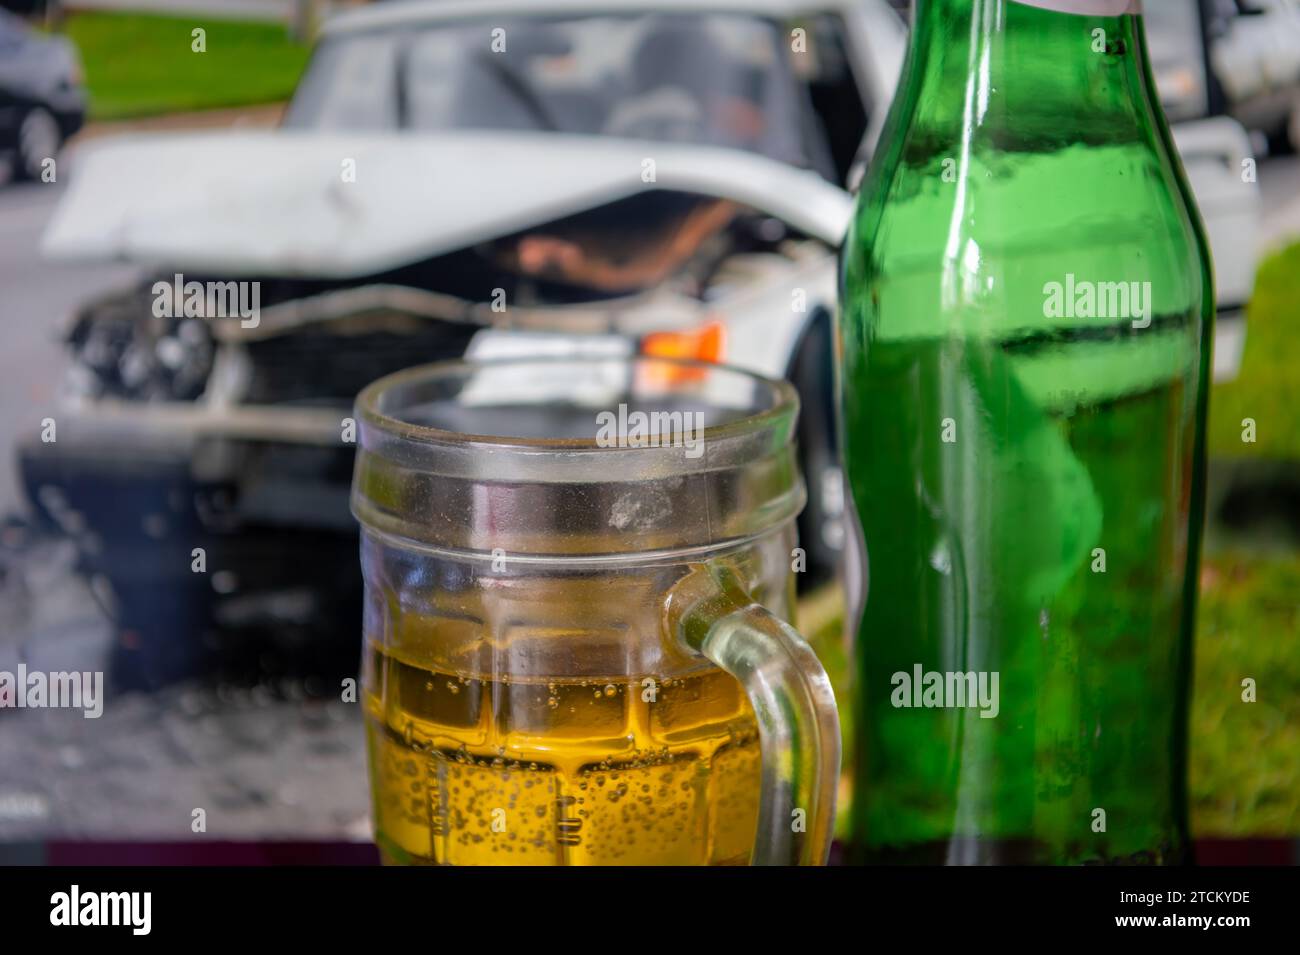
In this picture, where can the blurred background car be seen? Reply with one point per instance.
(1255, 50)
(42, 102)
(502, 202)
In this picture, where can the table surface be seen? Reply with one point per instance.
(1209, 852)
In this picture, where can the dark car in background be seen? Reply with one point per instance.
(42, 102)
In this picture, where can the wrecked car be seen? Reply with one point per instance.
(669, 180)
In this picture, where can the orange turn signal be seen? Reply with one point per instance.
(703, 343)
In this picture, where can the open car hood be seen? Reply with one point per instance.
(276, 202)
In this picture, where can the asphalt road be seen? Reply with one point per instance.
(260, 765)
(36, 299)
(1279, 186)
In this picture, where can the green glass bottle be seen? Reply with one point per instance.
(1024, 348)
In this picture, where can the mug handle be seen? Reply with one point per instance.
(711, 613)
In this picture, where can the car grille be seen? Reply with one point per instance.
(317, 366)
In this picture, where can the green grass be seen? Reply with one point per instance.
(1268, 387)
(820, 618)
(1245, 757)
(142, 65)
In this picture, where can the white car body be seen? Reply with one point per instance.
(1256, 57)
(1261, 52)
(237, 203)
(249, 203)
(244, 203)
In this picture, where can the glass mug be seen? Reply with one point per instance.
(576, 576)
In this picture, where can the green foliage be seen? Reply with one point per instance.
(1268, 387)
(1245, 757)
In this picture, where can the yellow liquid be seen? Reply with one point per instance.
(469, 771)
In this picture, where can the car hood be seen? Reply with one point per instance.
(281, 202)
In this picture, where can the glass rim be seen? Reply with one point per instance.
(784, 404)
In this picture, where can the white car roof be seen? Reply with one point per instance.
(406, 12)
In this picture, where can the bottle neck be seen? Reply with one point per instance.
(1065, 16)
(1026, 68)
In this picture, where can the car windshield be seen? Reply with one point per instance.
(721, 80)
